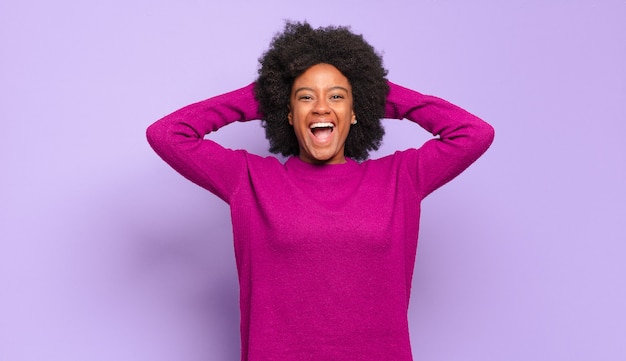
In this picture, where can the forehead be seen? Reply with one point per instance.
(322, 75)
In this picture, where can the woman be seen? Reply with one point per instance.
(324, 245)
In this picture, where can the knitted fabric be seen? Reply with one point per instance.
(324, 253)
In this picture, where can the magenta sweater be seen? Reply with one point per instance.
(324, 253)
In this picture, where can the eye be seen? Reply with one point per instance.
(305, 97)
(336, 96)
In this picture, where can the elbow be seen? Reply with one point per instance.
(490, 132)
(485, 134)
(155, 135)
(151, 134)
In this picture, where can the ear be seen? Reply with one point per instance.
(353, 120)
(290, 117)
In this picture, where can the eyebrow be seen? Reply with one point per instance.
(330, 89)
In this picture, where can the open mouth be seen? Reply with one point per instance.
(322, 130)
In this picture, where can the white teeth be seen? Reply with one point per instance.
(322, 125)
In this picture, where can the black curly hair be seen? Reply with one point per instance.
(298, 48)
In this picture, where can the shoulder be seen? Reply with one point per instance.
(262, 167)
(259, 162)
(401, 158)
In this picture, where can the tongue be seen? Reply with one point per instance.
(322, 133)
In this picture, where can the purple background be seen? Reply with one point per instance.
(107, 254)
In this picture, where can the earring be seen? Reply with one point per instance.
(353, 122)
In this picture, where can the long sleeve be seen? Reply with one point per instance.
(178, 138)
(462, 137)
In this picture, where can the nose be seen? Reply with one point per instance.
(321, 106)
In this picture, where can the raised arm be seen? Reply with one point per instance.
(178, 138)
(462, 137)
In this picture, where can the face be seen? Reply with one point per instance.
(321, 114)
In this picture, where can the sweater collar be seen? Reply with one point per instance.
(297, 165)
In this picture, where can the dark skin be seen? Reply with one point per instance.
(321, 114)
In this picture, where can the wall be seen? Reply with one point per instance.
(107, 254)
